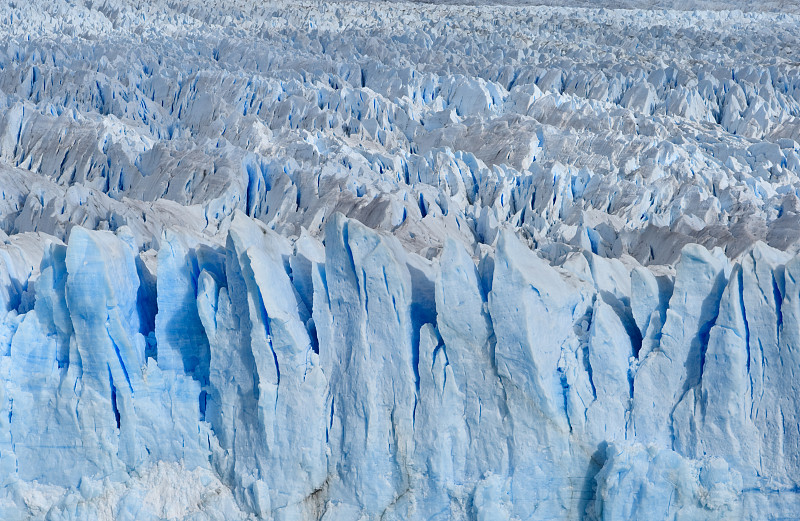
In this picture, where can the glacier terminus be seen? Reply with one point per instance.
(356, 261)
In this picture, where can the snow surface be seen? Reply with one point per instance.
(316, 260)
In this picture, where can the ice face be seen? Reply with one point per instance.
(398, 261)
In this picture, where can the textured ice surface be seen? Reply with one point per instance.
(398, 261)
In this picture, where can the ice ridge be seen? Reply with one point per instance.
(337, 261)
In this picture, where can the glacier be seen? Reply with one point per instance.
(387, 260)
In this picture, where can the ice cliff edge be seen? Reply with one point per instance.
(355, 378)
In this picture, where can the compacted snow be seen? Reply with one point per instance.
(350, 261)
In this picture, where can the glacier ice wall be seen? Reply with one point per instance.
(408, 388)
(396, 261)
